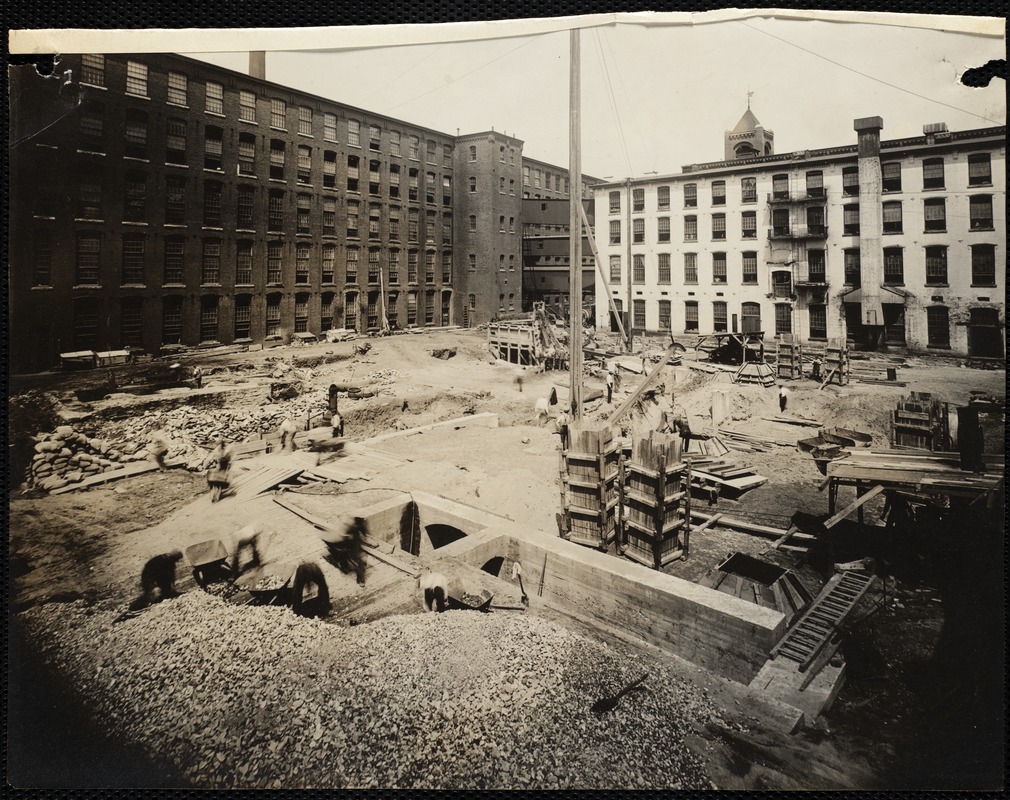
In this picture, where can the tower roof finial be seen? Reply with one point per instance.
(749, 95)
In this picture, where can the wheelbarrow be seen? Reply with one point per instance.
(209, 561)
(268, 584)
(471, 602)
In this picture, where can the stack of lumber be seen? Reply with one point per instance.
(802, 421)
(754, 441)
(723, 474)
(923, 473)
(711, 446)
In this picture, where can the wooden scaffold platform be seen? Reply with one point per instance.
(590, 494)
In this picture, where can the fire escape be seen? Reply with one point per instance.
(798, 230)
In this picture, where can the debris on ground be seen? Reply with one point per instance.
(450, 700)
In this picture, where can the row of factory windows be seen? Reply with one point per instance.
(785, 223)
(418, 308)
(309, 264)
(937, 319)
(933, 179)
(177, 209)
(934, 266)
(179, 93)
(309, 169)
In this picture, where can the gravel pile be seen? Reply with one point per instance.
(256, 697)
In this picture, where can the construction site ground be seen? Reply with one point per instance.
(908, 717)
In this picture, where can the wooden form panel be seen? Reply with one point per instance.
(657, 501)
(590, 493)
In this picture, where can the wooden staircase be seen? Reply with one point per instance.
(815, 629)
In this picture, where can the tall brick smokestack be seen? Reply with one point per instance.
(258, 64)
(871, 223)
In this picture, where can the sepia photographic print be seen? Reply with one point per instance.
(600, 402)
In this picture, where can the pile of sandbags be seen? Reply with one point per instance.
(66, 456)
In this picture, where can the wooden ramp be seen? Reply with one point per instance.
(134, 468)
(815, 629)
(357, 462)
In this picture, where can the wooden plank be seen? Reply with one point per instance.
(648, 383)
(707, 524)
(136, 468)
(827, 380)
(315, 521)
(749, 527)
(784, 537)
(853, 506)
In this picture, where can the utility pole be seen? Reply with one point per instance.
(630, 330)
(575, 232)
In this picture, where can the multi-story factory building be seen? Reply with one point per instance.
(160, 200)
(890, 243)
(547, 257)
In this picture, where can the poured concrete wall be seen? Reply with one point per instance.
(724, 634)
(384, 518)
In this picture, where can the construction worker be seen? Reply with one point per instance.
(677, 422)
(783, 397)
(564, 420)
(197, 377)
(610, 385)
(287, 431)
(815, 369)
(218, 463)
(158, 448)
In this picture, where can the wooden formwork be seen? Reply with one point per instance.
(755, 372)
(656, 501)
(788, 358)
(836, 362)
(920, 421)
(513, 341)
(590, 492)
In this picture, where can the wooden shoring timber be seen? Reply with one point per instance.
(857, 503)
(648, 383)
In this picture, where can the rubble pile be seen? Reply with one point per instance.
(383, 376)
(257, 697)
(66, 456)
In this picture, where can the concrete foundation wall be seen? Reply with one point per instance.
(721, 633)
(724, 634)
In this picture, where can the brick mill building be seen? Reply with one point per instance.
(894, 243)
(159, 200)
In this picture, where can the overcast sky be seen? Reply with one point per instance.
(656, 98)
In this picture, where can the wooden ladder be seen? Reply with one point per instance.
(818, 625)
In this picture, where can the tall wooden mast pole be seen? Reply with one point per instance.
(575, 233)
(630, 328)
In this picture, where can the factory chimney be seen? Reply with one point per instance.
(258, 64)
